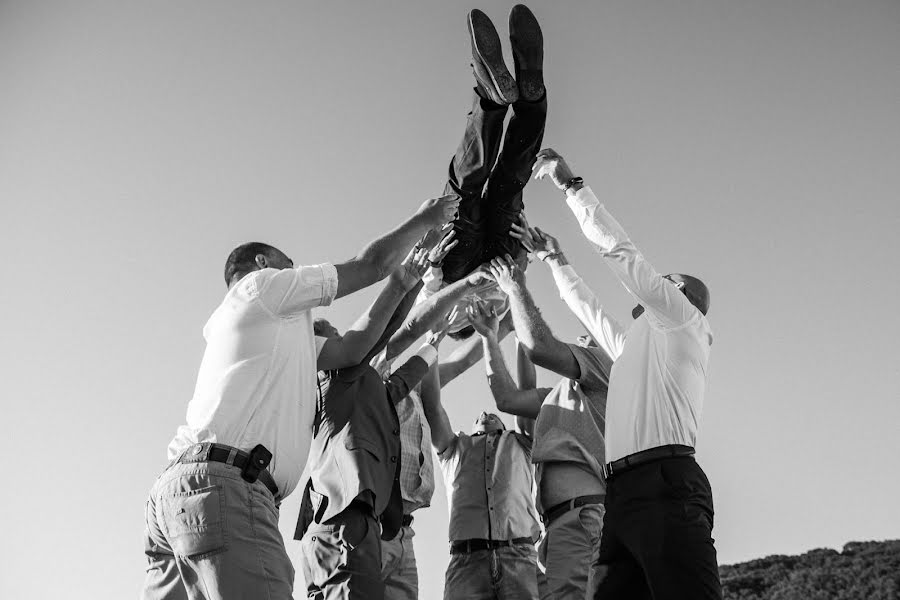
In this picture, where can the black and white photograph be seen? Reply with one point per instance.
(434, 300)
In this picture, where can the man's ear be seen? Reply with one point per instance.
(261, 261)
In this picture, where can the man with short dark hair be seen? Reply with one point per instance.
(489, 179)
(212, 516)
(657, 540)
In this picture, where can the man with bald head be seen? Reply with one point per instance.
(657, 537)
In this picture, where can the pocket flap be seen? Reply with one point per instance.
(362, 444)
(195, 520)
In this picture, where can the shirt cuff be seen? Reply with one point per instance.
(329, 283)
(428, 353)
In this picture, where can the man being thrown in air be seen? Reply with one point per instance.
(488, 181)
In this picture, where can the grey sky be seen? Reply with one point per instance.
(756, 145)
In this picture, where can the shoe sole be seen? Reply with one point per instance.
(486, 44)
(525, 34)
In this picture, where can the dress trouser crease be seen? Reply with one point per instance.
(657, 537)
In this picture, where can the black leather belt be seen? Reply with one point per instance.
(230, 456)
(562, 508)
(407, 520)
(617, 467)
(473, 545)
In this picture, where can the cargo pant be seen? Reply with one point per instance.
(567, 553)
(210, 535)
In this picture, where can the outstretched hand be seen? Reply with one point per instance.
(437, 254)
(551, 163)
(483, 317)
(436, 335)
(412, 268)
(507, 273)
(539, 243)
(481, 277)
(438, 211)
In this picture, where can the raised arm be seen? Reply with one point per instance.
(380, 257)
(508, 397)
(539, 342)
(426, 314)
(527, 377)
(408, 376)
(470, 352)
(608, 334)
(441, 432)
(662, 298)
(358, 341)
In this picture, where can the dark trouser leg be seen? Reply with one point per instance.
(469, 170)
(524, 135)
(619, 576)
(664, 519)
(342, 558)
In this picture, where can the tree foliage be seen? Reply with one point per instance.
(862, 571)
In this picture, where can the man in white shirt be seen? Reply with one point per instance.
(657, 538)
(212, 516)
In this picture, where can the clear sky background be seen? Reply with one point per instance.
(756, 144)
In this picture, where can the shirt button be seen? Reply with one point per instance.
(393, 459)
(396, 432)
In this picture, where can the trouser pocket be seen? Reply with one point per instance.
(195, 521)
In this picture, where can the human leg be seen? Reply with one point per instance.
(674, 543)
(616, 575)
(570, 546)
(399, 570)
(469, 577)
(342, 557)
(524, 134)
(513, 571)
(218, 532)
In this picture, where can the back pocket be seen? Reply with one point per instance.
(195, 521)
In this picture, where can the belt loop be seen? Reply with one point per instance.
(231, 454)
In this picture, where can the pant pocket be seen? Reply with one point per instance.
(195, 521)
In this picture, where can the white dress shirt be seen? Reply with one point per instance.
(257, 380)
(434, 282)
(658, 379)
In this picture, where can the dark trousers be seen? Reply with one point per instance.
(486, 211)
(657, 534)
(342, 557)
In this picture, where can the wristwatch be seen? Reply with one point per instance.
(572, 182)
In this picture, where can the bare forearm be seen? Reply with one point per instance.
(360, 338)
(525, 371)
(425, 315)
(502, 386)
(531, 329)
(377, 259)
(469, 353)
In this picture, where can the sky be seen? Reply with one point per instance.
(755, 144)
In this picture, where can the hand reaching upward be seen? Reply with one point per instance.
(551, 163)
(439, 211)
(539, 243)
(484, 318)
(507, 273)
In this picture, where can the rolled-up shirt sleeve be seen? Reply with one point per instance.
(288, 292)
(667, 306)
(584, 304)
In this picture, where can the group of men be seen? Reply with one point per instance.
(595, 494)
